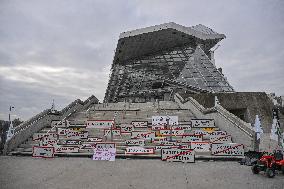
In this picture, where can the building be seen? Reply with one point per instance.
(158, 61)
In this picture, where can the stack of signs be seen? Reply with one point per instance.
(221, 139)
(202, 123)
(143, 135)
(107, 154)
(178, 155)
(139, 150)
(140, 124)
(227, 149)
(164, 120)
(43, 152)
(99, 124)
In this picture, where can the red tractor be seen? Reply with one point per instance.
(269, 164)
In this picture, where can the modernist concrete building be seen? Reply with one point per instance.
(158, 61)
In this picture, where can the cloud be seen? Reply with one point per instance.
(63, 50)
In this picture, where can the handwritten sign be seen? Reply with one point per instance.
(158, 148)
(72, 142)
(43, 152)
(139, 150)
(158, 127)
(200, 123)
(227, 149)
(135, 142)
(126, 128)
(115, 132)
(94, 139)
(142, 135)
(200, 146)
(39, 136)
(218, 133)
(178, 155)
(169, 132)
(67, 149)
(221, 139)
(156, 139)
(191, 138)
(166, 143)
(164, 120)
(48, 142)
(77, 135)
(140, 124)
(99, 124)
(88, 145)
(201, 132)
(56, 123)
(181, 127)
(105, 145)
(106, 154)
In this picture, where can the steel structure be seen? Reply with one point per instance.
(157, 61)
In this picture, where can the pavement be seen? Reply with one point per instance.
(27, 172)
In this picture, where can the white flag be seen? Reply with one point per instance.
(257, 127)
(10, 132)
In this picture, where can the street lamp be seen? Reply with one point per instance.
(10, 109)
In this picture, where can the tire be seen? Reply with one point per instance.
(255, 169)
(270, 173)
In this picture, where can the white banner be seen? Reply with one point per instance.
(221, 139)
(43, 152)
(200, 146)
(99, 124)
(227, 149)
(107, 154)
(140, 124)
(139, 150)
(135, 142)
(178, 155)
(200, 123)
(191, 138)
(164, 120)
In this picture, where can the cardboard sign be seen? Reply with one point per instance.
(142, 135)
(135, 142)
(139, 150)
(178, 155)
(99, 124)
(67, 149)
(191, 138)
(164, 120)
(168, 132)
(200, 146)
(218, 133)
(158, 127)
(48, 142)
(105, 145)
(227, 149)
(94, 139)
(39, 136)
(221, 139)
(43, 152)
(71, 142)
(115, 132)
(126, 128)
(200, 123)
(107, 154)
(140, 124)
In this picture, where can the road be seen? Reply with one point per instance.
(30, 173)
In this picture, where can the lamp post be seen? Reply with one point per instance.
(10, 110)
(10, 132)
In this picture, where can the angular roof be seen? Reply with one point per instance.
(136, 43)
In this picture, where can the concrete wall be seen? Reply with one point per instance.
(241, 131)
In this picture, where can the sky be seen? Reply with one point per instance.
(63, 49)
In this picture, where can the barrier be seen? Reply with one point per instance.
(140, 124)
(135, 142)
(139, 150)
(200, 146)
(43, 152)
(178, 155)
(227, 149)
(99, 124)
(200, 123)
(164, 120)
(191, 138)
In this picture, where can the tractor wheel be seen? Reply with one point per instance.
(255, 169)
(270, 172)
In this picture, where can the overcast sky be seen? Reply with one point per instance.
(63, 49)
